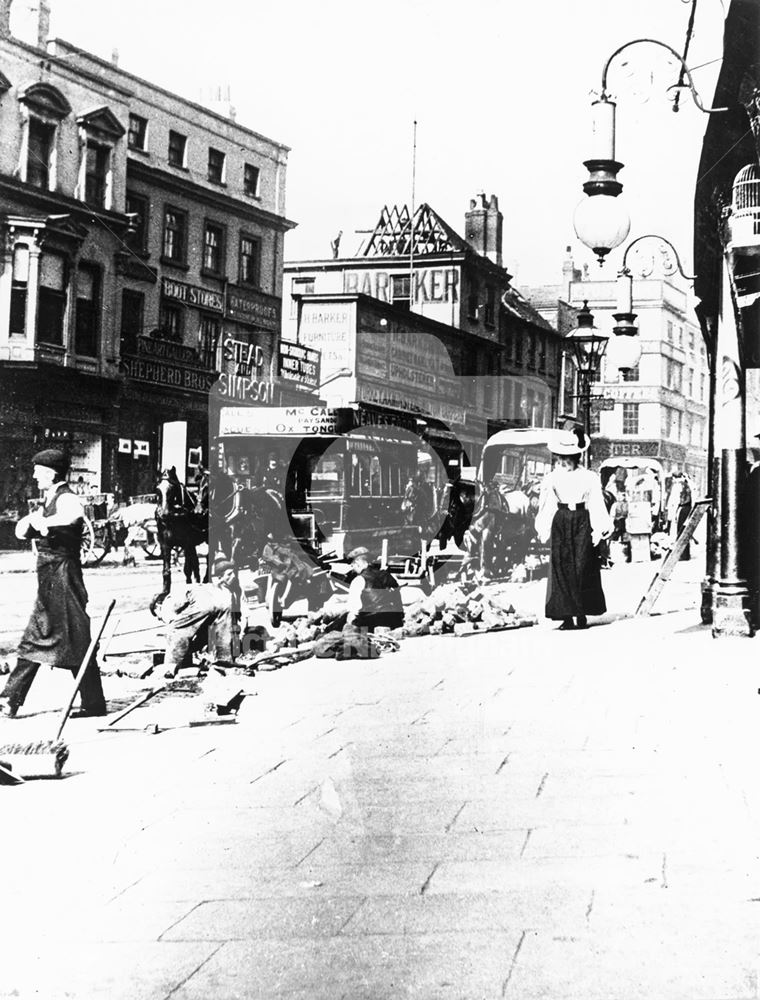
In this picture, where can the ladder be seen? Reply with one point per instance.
(671, 559)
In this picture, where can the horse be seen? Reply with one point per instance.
(255, 514)
(180, 523)
(500, 532)
(455, 512)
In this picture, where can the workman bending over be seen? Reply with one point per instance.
(373, 595)
(202, 614)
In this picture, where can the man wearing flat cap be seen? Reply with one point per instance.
(58, 632)
(373, 595)
(202, 614)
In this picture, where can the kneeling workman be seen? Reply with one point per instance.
(201, 614)
(374, 598)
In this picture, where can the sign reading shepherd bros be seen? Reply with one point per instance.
(192, 295)
(164, 373)
(298, 364)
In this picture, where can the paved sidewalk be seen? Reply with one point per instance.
(529, 814)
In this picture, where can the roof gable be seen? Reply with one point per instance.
(397, 235)
(102, 121)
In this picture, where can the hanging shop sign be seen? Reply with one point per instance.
(299, 364)
(192, 295)
(167, 350)
(257, 308)
(244, 378)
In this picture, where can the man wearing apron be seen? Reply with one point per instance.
(58, 631)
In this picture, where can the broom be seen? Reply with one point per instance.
(45, 758)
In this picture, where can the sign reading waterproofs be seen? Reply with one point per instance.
(299, 421)
(298, 364)
(246, 305)
(192, 295)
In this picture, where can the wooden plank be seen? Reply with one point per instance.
(672, 558)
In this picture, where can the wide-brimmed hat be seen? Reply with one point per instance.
(52, 458)
(568, 443)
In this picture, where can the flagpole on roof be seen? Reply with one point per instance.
(411, 220)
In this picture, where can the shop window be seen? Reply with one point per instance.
(51, 305)
(19, 289)
(251, 180)
(208, 339)
(138, 206)
(518, 349)
(400, 289)
(86, 329)
(175, 236)
(98, 161)
(216, 162)
(213, 248)
(531, 352)
(472, 301)
(138, 132)
(170, 321)
(630, 418)
(542, 354)
(250, 261)
(132, 315)
(177, 149)
(490, 316)
(41, 142)
(594, 421)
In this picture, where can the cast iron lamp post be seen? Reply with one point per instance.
(588, 346)
(601, 220)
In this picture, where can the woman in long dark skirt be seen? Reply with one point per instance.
(573, 514)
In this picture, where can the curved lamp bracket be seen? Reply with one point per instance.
(671, 260)
(676, 86)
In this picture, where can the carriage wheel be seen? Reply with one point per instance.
(150, 545)
(99, 546)
(87, 549)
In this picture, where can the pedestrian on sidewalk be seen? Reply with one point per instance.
(58, 632)
(572, 513)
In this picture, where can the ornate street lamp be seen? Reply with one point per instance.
(625, 350)
(588, 346)
(601, 220)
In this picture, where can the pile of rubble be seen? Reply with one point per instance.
(463, 608)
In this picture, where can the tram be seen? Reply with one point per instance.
(342, 473)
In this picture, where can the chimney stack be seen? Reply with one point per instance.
(483, 225)
(5, 18)
(570, 272)
(30, 20)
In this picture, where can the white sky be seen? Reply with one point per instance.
(500, 90)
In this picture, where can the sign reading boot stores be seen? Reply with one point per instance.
(192, 295)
